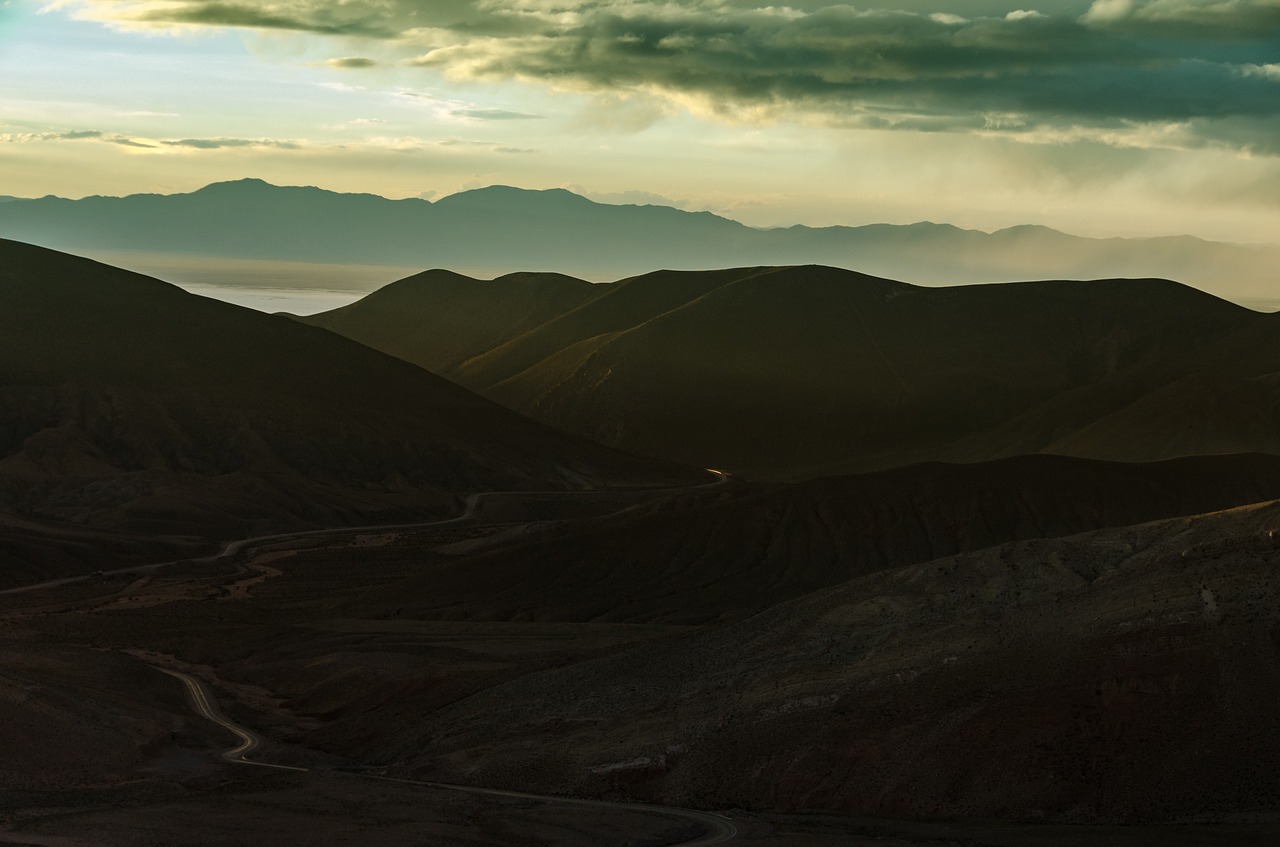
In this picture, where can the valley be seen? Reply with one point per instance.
(661, 423)
(241, 535)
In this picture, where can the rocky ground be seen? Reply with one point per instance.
(1100, 686)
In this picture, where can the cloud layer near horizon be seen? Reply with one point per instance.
(1203, 71)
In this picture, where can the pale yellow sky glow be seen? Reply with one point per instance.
(1102, 118)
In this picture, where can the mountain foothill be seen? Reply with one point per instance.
(797, 372)
(837, 555)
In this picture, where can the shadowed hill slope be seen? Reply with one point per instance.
(438, 318)
(126, 402)
(1127, 674)
(730, 552)
(895, 643)
(806, 371)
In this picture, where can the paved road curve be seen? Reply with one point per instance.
(718, 829)
(249, 740)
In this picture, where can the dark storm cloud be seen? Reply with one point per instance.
(907, 64)
(844, 61)
(320, 18)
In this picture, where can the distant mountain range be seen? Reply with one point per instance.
(501, 229)
(795, 372)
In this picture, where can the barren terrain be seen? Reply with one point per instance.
(808, 371)
(893, 695)
(263, 584)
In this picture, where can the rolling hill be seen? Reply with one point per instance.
(896, 642)
(128, 404)
(805, 371)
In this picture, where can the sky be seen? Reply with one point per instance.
(1097, 117)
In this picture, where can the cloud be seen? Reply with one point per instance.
(1117, 65)
(493, 115)
(1190, 19)
(351, 62)
(631, 197)
(224, 143)
(323, 18)
(1106, 11)
(146, 143)
(64, 135)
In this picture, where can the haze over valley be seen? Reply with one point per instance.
(659, 424)
(249, 233)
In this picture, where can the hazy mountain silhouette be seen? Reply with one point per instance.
(127, 403)
(502, 229)
(805, 371)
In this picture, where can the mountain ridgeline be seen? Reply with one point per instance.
(128, 403)
(502, 229)
(794, 372)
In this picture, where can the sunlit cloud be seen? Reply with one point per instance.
(198, 145)
(224, 143)
(1118, 66)
(1124, 117)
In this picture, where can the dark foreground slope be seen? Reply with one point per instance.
(805, 371)
(723, 554)
(924, 642)
(127, 403)
(1121, 675)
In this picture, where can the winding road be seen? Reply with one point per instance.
(471, 503)
(205, 706)
(234, 547)
(717, 828)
